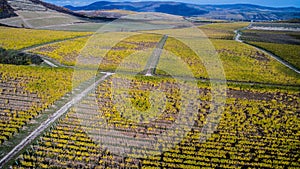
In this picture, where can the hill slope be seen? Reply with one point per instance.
(36, 14)
(56, 8)
(6, 11)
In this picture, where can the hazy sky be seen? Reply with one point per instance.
(273, 3)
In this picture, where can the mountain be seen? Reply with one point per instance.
(174, 8)
(226, 12)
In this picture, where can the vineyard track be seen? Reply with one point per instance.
(51, 26)
(279, 59)
(50, 120)
(154, 58)
(45, 17)
(49, 63)
(26, 24)
(27, 49)
(52, 62)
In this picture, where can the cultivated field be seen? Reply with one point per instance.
(160, 108)
(283, 43)
(288, 52)
(27, 91)
(67, 52)
(241, 62)
(23, 38)
(253, 131)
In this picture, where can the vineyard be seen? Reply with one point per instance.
(147, 99)
(284, 44)
(27, 91)
(23, 38)
(257, 130)
(240, 62)
(64, 52)
(67, 52)
(290, 53)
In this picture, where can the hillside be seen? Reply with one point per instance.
(228, 12)
(39, 14)
(57, 8)
(9, 6)
(6, 11)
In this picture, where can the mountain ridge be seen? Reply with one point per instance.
(241, 11)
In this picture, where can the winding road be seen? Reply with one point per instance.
(154, 58)
(280, 60)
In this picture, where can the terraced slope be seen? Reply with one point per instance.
(34, 14)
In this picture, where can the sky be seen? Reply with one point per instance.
(271, 3)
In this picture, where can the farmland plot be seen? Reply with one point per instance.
(251, 132)
(27, 91)
(99, 47)
(23, 38)
(240, 62)
(284, 44)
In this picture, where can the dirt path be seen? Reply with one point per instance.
(154, 58)
(26, 24)
(27, 49)
(279, 59)
(58, 25)
(49, 63)
(49, 121)
(45, 17)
